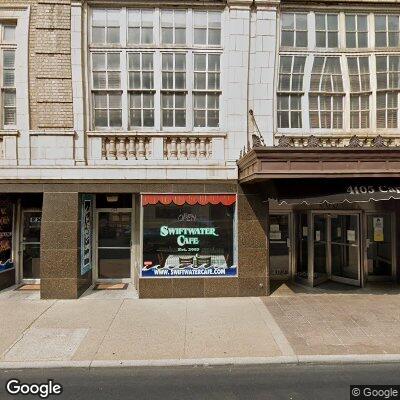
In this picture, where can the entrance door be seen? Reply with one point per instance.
(279, 246)
(320, 255)
(30, 244)
(345, 248)
(380, 249)
(301, 234)
(114, 245)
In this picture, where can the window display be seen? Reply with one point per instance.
(188, 235)
(6, 217)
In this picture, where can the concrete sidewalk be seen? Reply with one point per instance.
(116, 328)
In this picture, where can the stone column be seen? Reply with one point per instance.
(60, 247)
(253, 252)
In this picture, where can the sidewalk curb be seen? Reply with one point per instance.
(295, 360)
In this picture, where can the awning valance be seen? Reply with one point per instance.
(192, 199)
(333, 191)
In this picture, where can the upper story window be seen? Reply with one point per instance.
(173, 26)
(207, 27)
(326, 30)
(165, 72)
(348, 78)
(356, 31)
(360, 88)
(326, 94)
(7, 68)
(387, 31)
(106, 26)
(290, 90)
(294, 30)
(140, 26)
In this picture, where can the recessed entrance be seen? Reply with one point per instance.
(328, 247)
(30, 245)
(114, 244)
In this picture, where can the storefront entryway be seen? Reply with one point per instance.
(280, 245)
(380, 249)
(114, 239)
(31, 220)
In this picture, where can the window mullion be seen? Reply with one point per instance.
(373, 102)
(157, 88)
(189, 88)
(346, 109)
(124, 89)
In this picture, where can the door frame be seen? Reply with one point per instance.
(289, 244)
(386, 278)
(355, 282)
(20, 266)
(95, 246)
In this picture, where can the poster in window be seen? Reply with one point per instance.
(188, 240)
(86, 234)
(6, 218)
(378, 229)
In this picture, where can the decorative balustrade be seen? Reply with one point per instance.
(184, 148)
(354, 141)
(125, 148)
(107, 147)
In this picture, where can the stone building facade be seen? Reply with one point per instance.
(122, 123)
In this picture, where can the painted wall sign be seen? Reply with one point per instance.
(188, 240)
(86, 234)
(6, 218)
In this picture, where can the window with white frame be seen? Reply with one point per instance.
(106, 84)
(140, 26)
(388, 86)
(356, 31)
(144, 82)
(353, 70)
(206, 89)
(360, 88)
(326, 94)
(7, 67)
(387, 31)
(207, 27)
(106, 26)
(141, 87)
(294, 30)
(290, 91)
(173, 96)
(173, 26)
(327, 30)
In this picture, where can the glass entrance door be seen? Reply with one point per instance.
(30, 244)
(345, 248)
(114, 244)
(320, 259)
(379, 246)
(279, 246)
(301, 234)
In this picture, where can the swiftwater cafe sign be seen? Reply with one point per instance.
(188, 235)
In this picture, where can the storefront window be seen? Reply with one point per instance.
(6, 217)
(193, 240)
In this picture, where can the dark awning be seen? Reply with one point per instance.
(332, 191)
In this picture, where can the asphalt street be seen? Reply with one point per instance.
(219, 382)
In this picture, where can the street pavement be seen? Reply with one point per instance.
(115, 328)
(263, 382)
